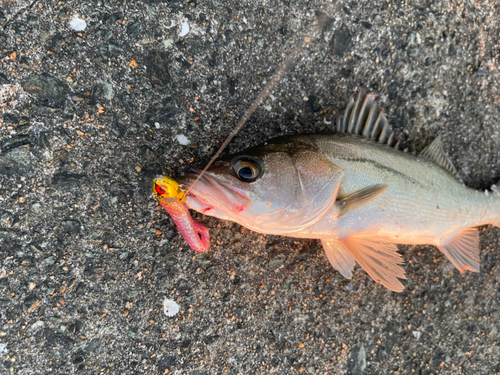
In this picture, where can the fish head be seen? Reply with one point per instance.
(278, 188)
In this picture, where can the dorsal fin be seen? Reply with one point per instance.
(364, 117)
(436, 153)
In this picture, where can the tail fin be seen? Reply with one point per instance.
(496, 191)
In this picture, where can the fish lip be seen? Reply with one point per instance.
(211, 190)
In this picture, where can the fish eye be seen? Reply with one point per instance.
(247, 169)
(160, 189)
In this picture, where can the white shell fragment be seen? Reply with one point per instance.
(3, 349)
(172, 24)
(170, 308)
(182, 139)
(77, 24)
(184, 29)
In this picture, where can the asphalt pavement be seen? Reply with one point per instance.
(97, 97)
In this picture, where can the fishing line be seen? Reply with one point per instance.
(316, 29)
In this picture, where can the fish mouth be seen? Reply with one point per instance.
(210, 193)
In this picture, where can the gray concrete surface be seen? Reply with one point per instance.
(89, 117)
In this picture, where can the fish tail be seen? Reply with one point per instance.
(462, 249)
(496, 190)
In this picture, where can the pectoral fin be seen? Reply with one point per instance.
(359, 198)
(379, 259)
(463, 250)
(339, 256)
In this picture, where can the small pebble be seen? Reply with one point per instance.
(37, 324)
(138, 169)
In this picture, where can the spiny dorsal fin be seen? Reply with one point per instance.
(364, 117)
(436, 153)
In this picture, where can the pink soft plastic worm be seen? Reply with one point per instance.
(195, 234)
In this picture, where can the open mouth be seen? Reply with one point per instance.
(211, 193)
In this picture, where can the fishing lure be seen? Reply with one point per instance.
(172, 198)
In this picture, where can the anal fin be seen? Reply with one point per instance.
(463, 250)
(339, 256)
(379, 259)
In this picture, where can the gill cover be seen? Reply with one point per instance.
(311, 193)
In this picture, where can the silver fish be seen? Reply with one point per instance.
(355, 192)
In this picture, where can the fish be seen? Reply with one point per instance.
(353, 190)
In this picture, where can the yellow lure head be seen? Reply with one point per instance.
(167, 190)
